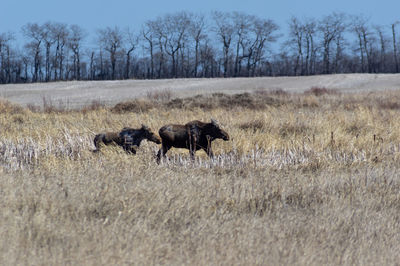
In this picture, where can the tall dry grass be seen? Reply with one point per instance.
(306, 179)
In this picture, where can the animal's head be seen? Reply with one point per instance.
(150, 135)
(217, 132)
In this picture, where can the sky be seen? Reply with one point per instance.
(96, 14)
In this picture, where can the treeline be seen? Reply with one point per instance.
(185, 45)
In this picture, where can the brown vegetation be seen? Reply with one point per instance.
(318, 91)
(213, 101)
(305, 180)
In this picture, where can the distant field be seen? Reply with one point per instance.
(79, 93)
(308, 177)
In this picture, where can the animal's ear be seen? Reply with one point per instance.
(145, 127)
(214, 122)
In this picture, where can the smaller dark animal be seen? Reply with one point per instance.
(128, 138)
(192, 136)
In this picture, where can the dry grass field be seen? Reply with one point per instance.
(77, 94)
(307, 179)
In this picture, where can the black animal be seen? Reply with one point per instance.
(193, 136)
(128, 138)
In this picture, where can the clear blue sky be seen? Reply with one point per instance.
(95, 14)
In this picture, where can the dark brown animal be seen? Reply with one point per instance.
(128, 138)
(193, 136)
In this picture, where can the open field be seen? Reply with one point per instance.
(80, 93)
(308, 178)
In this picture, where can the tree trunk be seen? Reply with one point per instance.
(396, 63)
(128, 62)
(196, 60)
(48, 46)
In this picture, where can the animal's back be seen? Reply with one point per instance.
(195, 123)
(175, 135)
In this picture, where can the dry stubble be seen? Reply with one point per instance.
(307, 179)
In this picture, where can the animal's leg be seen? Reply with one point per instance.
(208, 149)
(127, 144)
(192, 146)
(161, 153)
(130, 148)
(127, 147)
(133, 149)
(192, 152)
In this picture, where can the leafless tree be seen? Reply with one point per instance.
(75, 40)
(60, 34)
(310, 29)
(5, 65)
(131, 42)
(296, 35)
(156, 37)
(175, 30)
(111, 40)
(207, 59)
(361, 28)
(48, 33)
(34, 32)
(197, 29)
(224, 28)
(25, 60)
(263, 34)
(396, 62)
(242, 24)
(92, 70)
(383, 41)
(148, 34)
(332, 28)
(184, 44)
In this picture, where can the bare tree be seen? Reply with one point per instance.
(131, 42)
(5, 65)
(175, 29)
(25, 60)
(396, 62)
(156, 37)
(35, 33)
(331, 27)
(242, 23)
(383, 40)
(92, 69)
(76, 37)
(262, 32)
(296, 35)
(365, 40)
(48, 39)
(310, 28)
(148, 35)
(224, 28)
(197, 29)
(61, 34)
(207, 60)
(111, 40)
